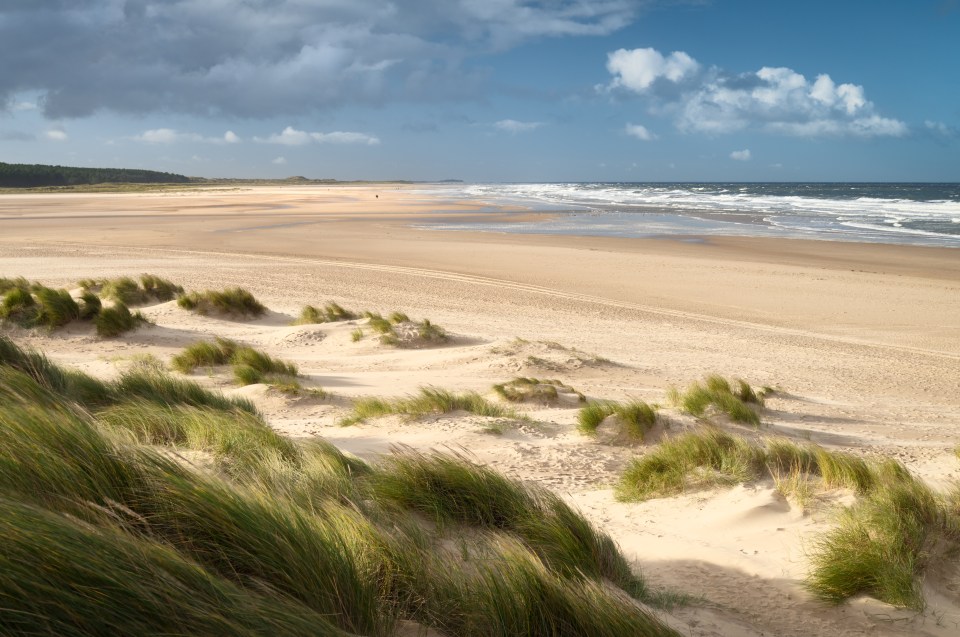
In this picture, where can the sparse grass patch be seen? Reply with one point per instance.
(204, 354)
(429, 400)
(400, 331)
(230, 302)
(592, 414)
(716, 393)
(329, 313)
(535, 390)
(7, 284)
(356, 335)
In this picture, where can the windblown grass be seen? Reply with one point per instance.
(163, 389)
(535, 390)
(329, 313)
(39, 306)
(129, 291)
(716, 393)
(117, 319)
(450, 489)
(7, 284)
(635, 417)
(59, 576)
(101, 535)
(429, 400)
(712, 456)
(230, 302)
(249, 365)
(90, 305)
(883, 544)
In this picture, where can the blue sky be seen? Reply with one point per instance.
(487, 90)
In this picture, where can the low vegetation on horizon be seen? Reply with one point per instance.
(113, 534)
(536, 390)
(36, 175)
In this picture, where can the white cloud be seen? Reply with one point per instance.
(290, 136)
(741, 155)
(23, 106)
(173, 136)
(279, 161)
(513, 126)
(940, 128)
(269, 58)
(638, 69)
(640, 132)
(56, 135)
(772, 99)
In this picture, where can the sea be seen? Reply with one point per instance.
(906, 213)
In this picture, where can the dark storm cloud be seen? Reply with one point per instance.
(267, 57)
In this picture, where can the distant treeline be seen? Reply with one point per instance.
(35, 175)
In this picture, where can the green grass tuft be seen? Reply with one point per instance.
(229, 302)
(165, 390)
(204, 354)
(715, 392)
(356, 335)
(116, 320)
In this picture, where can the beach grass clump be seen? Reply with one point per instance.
(60, 576)
(450, 489)
(535, 390)
(19, 307)
(429, 400)
(249, 365)
(235, 301)
(356, 335)
(39, 306)
(635, 417)
(711, 456)
(882, 544)
(158, 288)
(117, 319)
(163, 389)
(398, 330)
(90, 305)
(329, 313)
(506, 590)
(129, 291)
(70, 384)
(716, 393)
(204, 354)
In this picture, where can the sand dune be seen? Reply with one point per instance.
(861, 342)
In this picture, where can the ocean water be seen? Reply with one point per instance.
(923, 214)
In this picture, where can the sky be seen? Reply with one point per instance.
(487, 90)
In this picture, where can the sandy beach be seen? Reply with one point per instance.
(860, 341)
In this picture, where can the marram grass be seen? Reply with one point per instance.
(292, 539)
(716, 393)
(329, 313)
(234, 302)
(636, 418)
